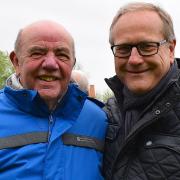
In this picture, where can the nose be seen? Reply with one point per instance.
(50, 62)
(135, 57)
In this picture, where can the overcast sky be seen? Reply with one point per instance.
(87, 20)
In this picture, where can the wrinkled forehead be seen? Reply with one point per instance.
(46, 33)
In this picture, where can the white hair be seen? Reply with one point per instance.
(80, 78)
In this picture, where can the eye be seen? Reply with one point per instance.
(63, 56)
(37, 53)
(122, 49)
(148, 47)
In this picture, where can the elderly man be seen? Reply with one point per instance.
(49, 129)
(80, 78)
(143, 138)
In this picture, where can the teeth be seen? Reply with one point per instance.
(47, 78)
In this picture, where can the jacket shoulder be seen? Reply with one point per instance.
(94, 108)
(114, 118)
(113, 111)
(97, 102)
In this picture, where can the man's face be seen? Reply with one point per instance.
(45, 62)
(141, 74)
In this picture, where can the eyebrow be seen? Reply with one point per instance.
(37, 48)
(62, 49)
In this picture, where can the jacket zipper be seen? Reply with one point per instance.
(51, 121)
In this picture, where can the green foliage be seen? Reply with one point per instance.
(6, 68)
(105, 95)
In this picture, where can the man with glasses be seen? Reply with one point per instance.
(143, 139)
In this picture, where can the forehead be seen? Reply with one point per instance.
(138, 25)
(46, 36)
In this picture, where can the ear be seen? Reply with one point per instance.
(15, 62)
(74, 61)
(172, 46)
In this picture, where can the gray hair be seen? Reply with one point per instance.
(168, 30)
(80, 78)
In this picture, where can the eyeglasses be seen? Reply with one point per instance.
(143, 48)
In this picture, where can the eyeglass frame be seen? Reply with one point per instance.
(137, 46)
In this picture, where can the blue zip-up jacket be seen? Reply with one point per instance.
(37, 144)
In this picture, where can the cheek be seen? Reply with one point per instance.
(65, 69)
(116, 64)
(27, 71)
(164, 64)
(118, 67)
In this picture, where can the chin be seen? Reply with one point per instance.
(48, 95)
(138, 90)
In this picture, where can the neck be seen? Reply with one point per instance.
(51, 104)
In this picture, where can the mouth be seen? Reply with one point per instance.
(137, 72)
(47, 78)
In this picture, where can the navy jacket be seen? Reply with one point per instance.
(151, 150)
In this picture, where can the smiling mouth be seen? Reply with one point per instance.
(48, 78)
(137, 72)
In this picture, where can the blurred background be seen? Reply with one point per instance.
(87, 20)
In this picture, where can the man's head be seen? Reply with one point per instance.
(43, 58)
(143, 43)
(81, 79)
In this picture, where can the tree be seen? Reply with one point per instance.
(6, 68)
(105, 95)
